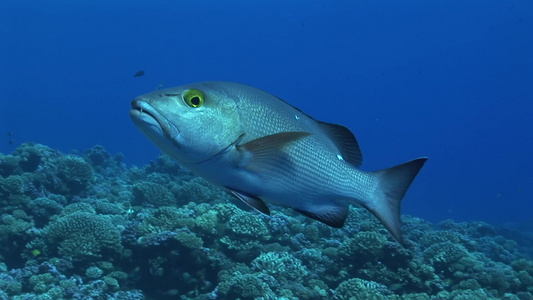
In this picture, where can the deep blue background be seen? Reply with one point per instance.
(451, 80)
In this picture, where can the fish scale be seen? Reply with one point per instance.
(262, 121)
(263, 150)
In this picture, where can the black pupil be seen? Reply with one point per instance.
(195, 101)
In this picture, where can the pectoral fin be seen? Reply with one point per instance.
(252, 201)
(261, 152)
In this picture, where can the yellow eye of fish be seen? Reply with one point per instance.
(194, 98)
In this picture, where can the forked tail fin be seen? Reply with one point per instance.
(392, 186)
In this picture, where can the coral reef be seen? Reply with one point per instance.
(146, 192)
(89, 227)
(82, 235)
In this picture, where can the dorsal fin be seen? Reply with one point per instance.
(342, 137)
(345, 141)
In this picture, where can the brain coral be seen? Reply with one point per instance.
(83, 234)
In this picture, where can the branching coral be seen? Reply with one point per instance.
(146, 192)
(282, 265)
(74, 233)
(75, 172)
(83, 235)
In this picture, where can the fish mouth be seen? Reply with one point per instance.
(152, 122)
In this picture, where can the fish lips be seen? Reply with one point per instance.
(153, 124)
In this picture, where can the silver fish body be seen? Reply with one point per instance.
(261, 149)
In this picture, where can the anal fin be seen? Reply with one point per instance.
(332, 215)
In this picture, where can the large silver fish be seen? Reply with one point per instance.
(262, 149)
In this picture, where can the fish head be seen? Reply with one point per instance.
(191, 123)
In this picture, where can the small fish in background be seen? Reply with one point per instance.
(160, 86)
(139, 73)
(10, 135)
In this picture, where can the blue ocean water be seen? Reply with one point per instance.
(449, 80)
